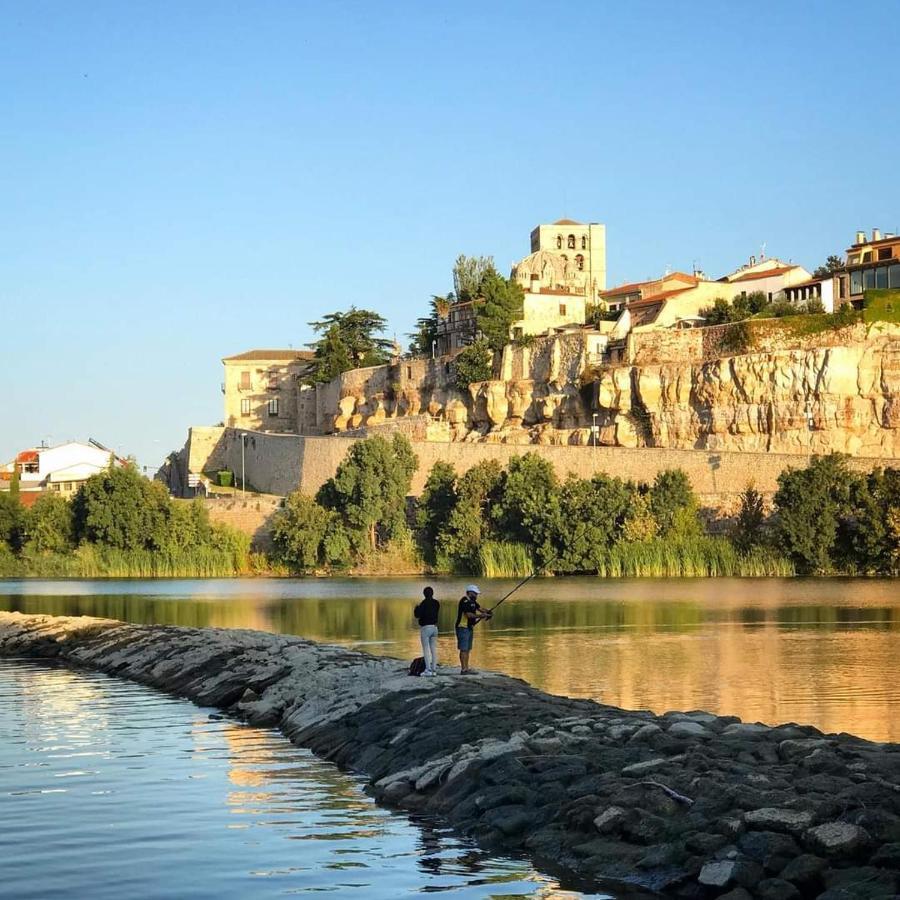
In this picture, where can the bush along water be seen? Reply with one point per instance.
(118, 525)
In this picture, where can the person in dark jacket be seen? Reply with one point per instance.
(427, 614)
(468, 615)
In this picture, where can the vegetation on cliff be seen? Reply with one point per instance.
(349, 340)
(119, 524)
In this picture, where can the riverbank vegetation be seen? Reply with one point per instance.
(118, 525)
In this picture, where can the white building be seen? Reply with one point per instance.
(62, 468)
(769, 276)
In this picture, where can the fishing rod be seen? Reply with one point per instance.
(522, 583)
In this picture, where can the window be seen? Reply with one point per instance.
(867, 256)
(881, 277)
(562, 309)
(245, 381)
(409, 371)
(868, 279)
(579, 261)
(55, 486)
(559, 242)
(583, 242)
(885, 252)
(272, 406)
(272, 377)
(856, 282)
(894, 275)
(245, 406)
(842, 286)
(571, 241)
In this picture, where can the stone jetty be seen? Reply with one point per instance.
(685, 804)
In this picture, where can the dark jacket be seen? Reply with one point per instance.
(427, 611)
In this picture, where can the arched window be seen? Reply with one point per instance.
(559, 242)
(583, 242)
(579, 261)
(571, 241)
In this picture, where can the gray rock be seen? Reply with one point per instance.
(722, 873)
(639, 769)
(510, 820)
(837, 839)
(769, 848)
(887, 856)
(776, 889)
(688, 730)
(746, 730)
(644, 732)
(792, 821)
(610, 820)
(738, 893)
(805, 871)
(863, 882)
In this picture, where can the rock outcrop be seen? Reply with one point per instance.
(687, 805)
(833, 391)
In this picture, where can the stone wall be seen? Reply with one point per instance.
(252, 515)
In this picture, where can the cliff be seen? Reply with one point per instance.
(783, 391)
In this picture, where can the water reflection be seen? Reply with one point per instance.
(174, 804)
(823, 651)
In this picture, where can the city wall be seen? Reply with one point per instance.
(279, 464)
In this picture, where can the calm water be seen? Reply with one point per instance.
(112, 790)
(819, 651)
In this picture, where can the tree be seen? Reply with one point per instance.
(369, 490)
(720, 313)
(468, 276)
(810, 503)
(674, 505)
(187, 525)
(120, 508)
(527, 504)
(427, 327)
(50, 527)
(500, 304)
(469, 522)
(299, 531)
(640, 524)
(435, 505)
(473, 364)
(12, 520)
(832, 264)
(350, 340)
(749, 528)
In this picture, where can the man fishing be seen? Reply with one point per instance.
(468, 615)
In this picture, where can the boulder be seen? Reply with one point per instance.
(837, 839)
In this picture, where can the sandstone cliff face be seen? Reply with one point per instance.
(809, 398)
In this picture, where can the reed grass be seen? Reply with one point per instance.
(504, 559)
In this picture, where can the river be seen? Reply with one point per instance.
(824, 652)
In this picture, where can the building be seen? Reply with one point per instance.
(457, 329)
(821, 290)
(673, 301)
(871, 265)
(264, 392)
(61, 469)
(768, 276)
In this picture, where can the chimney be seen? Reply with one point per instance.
(860, 238)
(876, 234)
(889, 234)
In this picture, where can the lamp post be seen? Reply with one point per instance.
(433, 349)
(243, 482)
(594, 431)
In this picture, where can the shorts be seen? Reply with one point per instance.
(464, 638)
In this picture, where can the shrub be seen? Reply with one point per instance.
(473, 364)
(299, 531)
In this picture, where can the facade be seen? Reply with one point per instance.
(769, 276)
(871, 265)
(263, 390)
(61, 469)
(457, 329)
(822, 289)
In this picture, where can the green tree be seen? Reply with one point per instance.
(50, 527)
(427, 327)
(468, 276)
(500, 304)
(12, 520)
(473, 364)
(749, 527)
(527, 506)
(832, 264)
(469, 522)
(640, 524)
(299, 531)
(436, 503)
(120, 508)
(369, 490)
(674, 505)
(592, 515)
(350, 340)
(810, 503)
(187, 525)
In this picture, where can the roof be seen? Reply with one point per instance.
(27, 456)
(802, 284)
(765, 273)
(657, 298)
(624, 288)
(567, 222)
(266, 355)
(893, 239)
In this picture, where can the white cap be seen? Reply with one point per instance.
(472, 589)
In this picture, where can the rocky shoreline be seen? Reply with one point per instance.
(685, 804)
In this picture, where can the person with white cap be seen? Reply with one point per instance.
(468, 615)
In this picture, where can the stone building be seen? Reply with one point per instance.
(264, 392)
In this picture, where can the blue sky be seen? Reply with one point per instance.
(183, 181)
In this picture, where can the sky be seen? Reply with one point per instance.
(182, 181)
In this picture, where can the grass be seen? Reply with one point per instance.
(882, 306)
(504, 559)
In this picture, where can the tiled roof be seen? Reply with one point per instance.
(27, 456)
(657, 298)
(765, 273)
(266, 355)
(624, 288)
(567, 222)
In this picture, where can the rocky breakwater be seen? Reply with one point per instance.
(685, 805)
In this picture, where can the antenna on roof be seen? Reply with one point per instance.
(762, 251)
